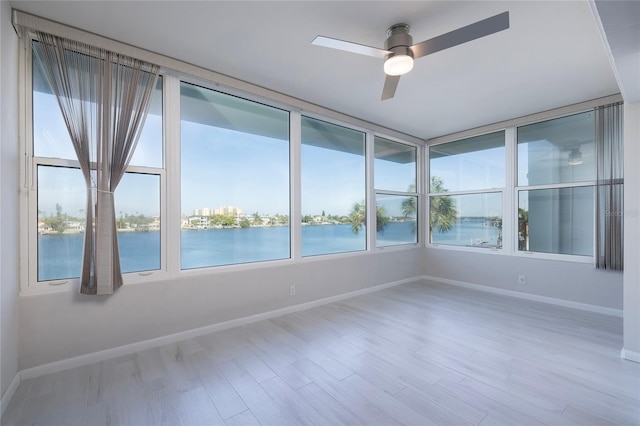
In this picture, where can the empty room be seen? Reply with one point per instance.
(319, 212)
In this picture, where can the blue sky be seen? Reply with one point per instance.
(219, 167)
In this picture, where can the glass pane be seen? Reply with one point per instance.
(61, 222)
(235, 180)
(469, 164)
(556, 220)
(333, 188)
(394, 166)
(51, 137)
(473, 220)
(557, 151)
(50, 134)
(148, 151)
(137, 206)
(396, 221)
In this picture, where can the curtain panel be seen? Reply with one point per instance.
(609, 187)
(104, 98)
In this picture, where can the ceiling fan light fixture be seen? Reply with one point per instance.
(575, 157)
(398, 64)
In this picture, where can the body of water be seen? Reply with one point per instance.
(59, 256)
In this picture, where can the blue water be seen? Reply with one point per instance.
(59, 256)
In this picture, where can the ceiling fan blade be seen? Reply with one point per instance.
(390, 85)
(462, 35)
(348, 46)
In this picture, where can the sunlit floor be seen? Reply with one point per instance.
(420, 353)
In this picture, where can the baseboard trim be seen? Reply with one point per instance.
(90, 358)
(529, 296)
(6, 398)
(630, 355)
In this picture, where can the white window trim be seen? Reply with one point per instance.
(170, 200)
(29, 284)
(416, 193)
(507, 227)
(512, 190)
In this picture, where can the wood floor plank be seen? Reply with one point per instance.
(199, 408)
(293, 402)
(222, 394)
(246, 418)
(447, 407)
(332, 410)
(263, 407)
(361, 407)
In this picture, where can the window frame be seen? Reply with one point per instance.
(367, 179)
(523, 188)
(376, 191)
(29, 203)
(169, 176)
(176, 248)
(512, 190)
(504, 191)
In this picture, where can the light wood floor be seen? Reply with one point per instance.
(416, 354)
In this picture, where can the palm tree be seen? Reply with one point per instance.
(381, 218)
(357, 217)
(410, 208)
(442, 212)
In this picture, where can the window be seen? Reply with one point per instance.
(467, 181)
(231, 161)
(60, 193)
(234, 179)
(396, 193)
(333, 188)
(556, 174)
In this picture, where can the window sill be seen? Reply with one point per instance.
(521, 254)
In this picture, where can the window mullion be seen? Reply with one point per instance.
(295, 182)
(509, 206)
(371, 194)
(171, 155)
(383, 192)
(475, 191)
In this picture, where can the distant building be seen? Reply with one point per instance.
(43, 228)
(205, 211)
(199, 222)
(228, 210)
(73, 227)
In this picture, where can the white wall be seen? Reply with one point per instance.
(9, 161)
(140, 312)
(569, 281)
(632, 230)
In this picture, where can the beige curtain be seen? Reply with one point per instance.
(104, 98)
(609, 187)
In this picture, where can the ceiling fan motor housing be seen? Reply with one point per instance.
(399, 40)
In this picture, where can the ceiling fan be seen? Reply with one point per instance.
(399, 50)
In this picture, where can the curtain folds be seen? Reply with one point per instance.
(609, 187)
(104, 98)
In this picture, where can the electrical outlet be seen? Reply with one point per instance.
(522, 279)
(292, 290)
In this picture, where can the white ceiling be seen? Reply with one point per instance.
(552, 55)
(621, 24)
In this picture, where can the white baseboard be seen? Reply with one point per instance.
(630, 355)
(6, 398)
(78, 361)
(529, 296)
